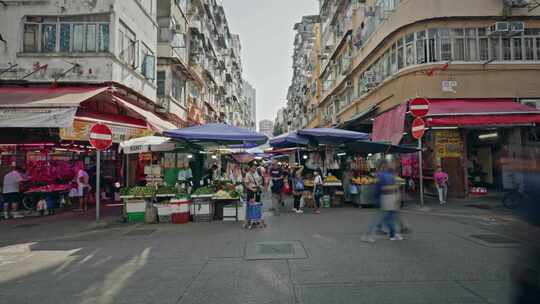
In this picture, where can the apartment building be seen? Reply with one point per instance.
(300, 90)
(476, 62)
(176, 59)
(250, 93)
(266, 127)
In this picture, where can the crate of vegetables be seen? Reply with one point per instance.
(165, 191)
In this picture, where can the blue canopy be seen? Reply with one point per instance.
(331, 135)
(288, 140)
(217, 133)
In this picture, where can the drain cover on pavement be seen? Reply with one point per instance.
(494, 239)
(275, 250)
(140, 232)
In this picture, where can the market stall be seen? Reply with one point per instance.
(221, 199)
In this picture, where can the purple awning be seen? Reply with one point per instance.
(332, 136)
(288, 140)
(217, 133)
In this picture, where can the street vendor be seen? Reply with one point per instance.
(11, 191)
(253, 183)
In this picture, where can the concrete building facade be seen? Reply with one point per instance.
(465, 57)
(250, 94)
(176, 58)
(266, 127)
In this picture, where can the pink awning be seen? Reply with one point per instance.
(389, 126)
(480, 112)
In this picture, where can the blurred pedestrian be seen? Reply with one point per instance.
(298, 189)
(347, 184)
(253, 184)
(441, 182)
(277, 176)
(11, 192)
(317, 190)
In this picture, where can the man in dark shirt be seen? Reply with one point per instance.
(277, 175)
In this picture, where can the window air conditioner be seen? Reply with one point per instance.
(516, 3)
(517, 28)
(499, 28)
(370, 78)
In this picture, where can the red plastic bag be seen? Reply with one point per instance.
(287, 189)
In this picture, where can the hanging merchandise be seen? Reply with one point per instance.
(410, 165)
(331, 160)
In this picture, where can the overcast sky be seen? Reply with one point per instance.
(266, 33)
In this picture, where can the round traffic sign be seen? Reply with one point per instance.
(100, 137)
(418, 128)
(419, 107)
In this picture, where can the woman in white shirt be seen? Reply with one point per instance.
(317, 190)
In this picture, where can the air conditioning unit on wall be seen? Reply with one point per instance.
(499, 28)
(516, 3)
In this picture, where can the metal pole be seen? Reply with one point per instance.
(98, 177)
(127, 169)
(421, 173)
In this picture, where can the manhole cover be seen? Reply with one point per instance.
(140, 232)
(493, 239)
(26, 225)
(275, 250)
(285, 248)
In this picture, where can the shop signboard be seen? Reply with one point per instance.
(419, 107)
(418, 128)
(448, 144)
(80, 131)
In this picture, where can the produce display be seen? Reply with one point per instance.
(331, 179)
(138, 191)
(166, 190)
(308, 183)
(222, 194)
(364, 180)
(204, 191)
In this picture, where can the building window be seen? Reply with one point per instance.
(66, 34)
(30, 40)
(458, 42)
(434, 45)
(178, 89)
(393, 59)
(161, 77)
(506, 49)
(421, 47)
(147, 62)
(529, 48)
(495, 47)
(48, 38)
(400, 55)
(446, 45)
(128, 45)
(471, 45)
(409, 50)
(516, 49)
(483, 44)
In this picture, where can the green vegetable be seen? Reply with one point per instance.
(142, 191)
(166, 190)
(204, 191)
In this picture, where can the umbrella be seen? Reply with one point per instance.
(378, 147)
(332, 135)
(218, 133)
(147, 144)
(288, 140)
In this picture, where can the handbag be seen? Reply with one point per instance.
(287, 188)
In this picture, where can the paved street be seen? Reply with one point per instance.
(298, 259)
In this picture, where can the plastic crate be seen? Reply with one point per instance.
(136, 217)
(180, 218)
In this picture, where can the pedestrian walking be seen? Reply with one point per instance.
(277, 176)
(317, 190)
(11, 192)
(83, 186)
(298, 189)
(387, 197)
(441, 182)
(347, 184)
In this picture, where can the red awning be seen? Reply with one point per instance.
(389, 126)
(480, 112)
(38, 97)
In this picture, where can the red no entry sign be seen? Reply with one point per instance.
(418, 128)
(100, 137)
(419, 107)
